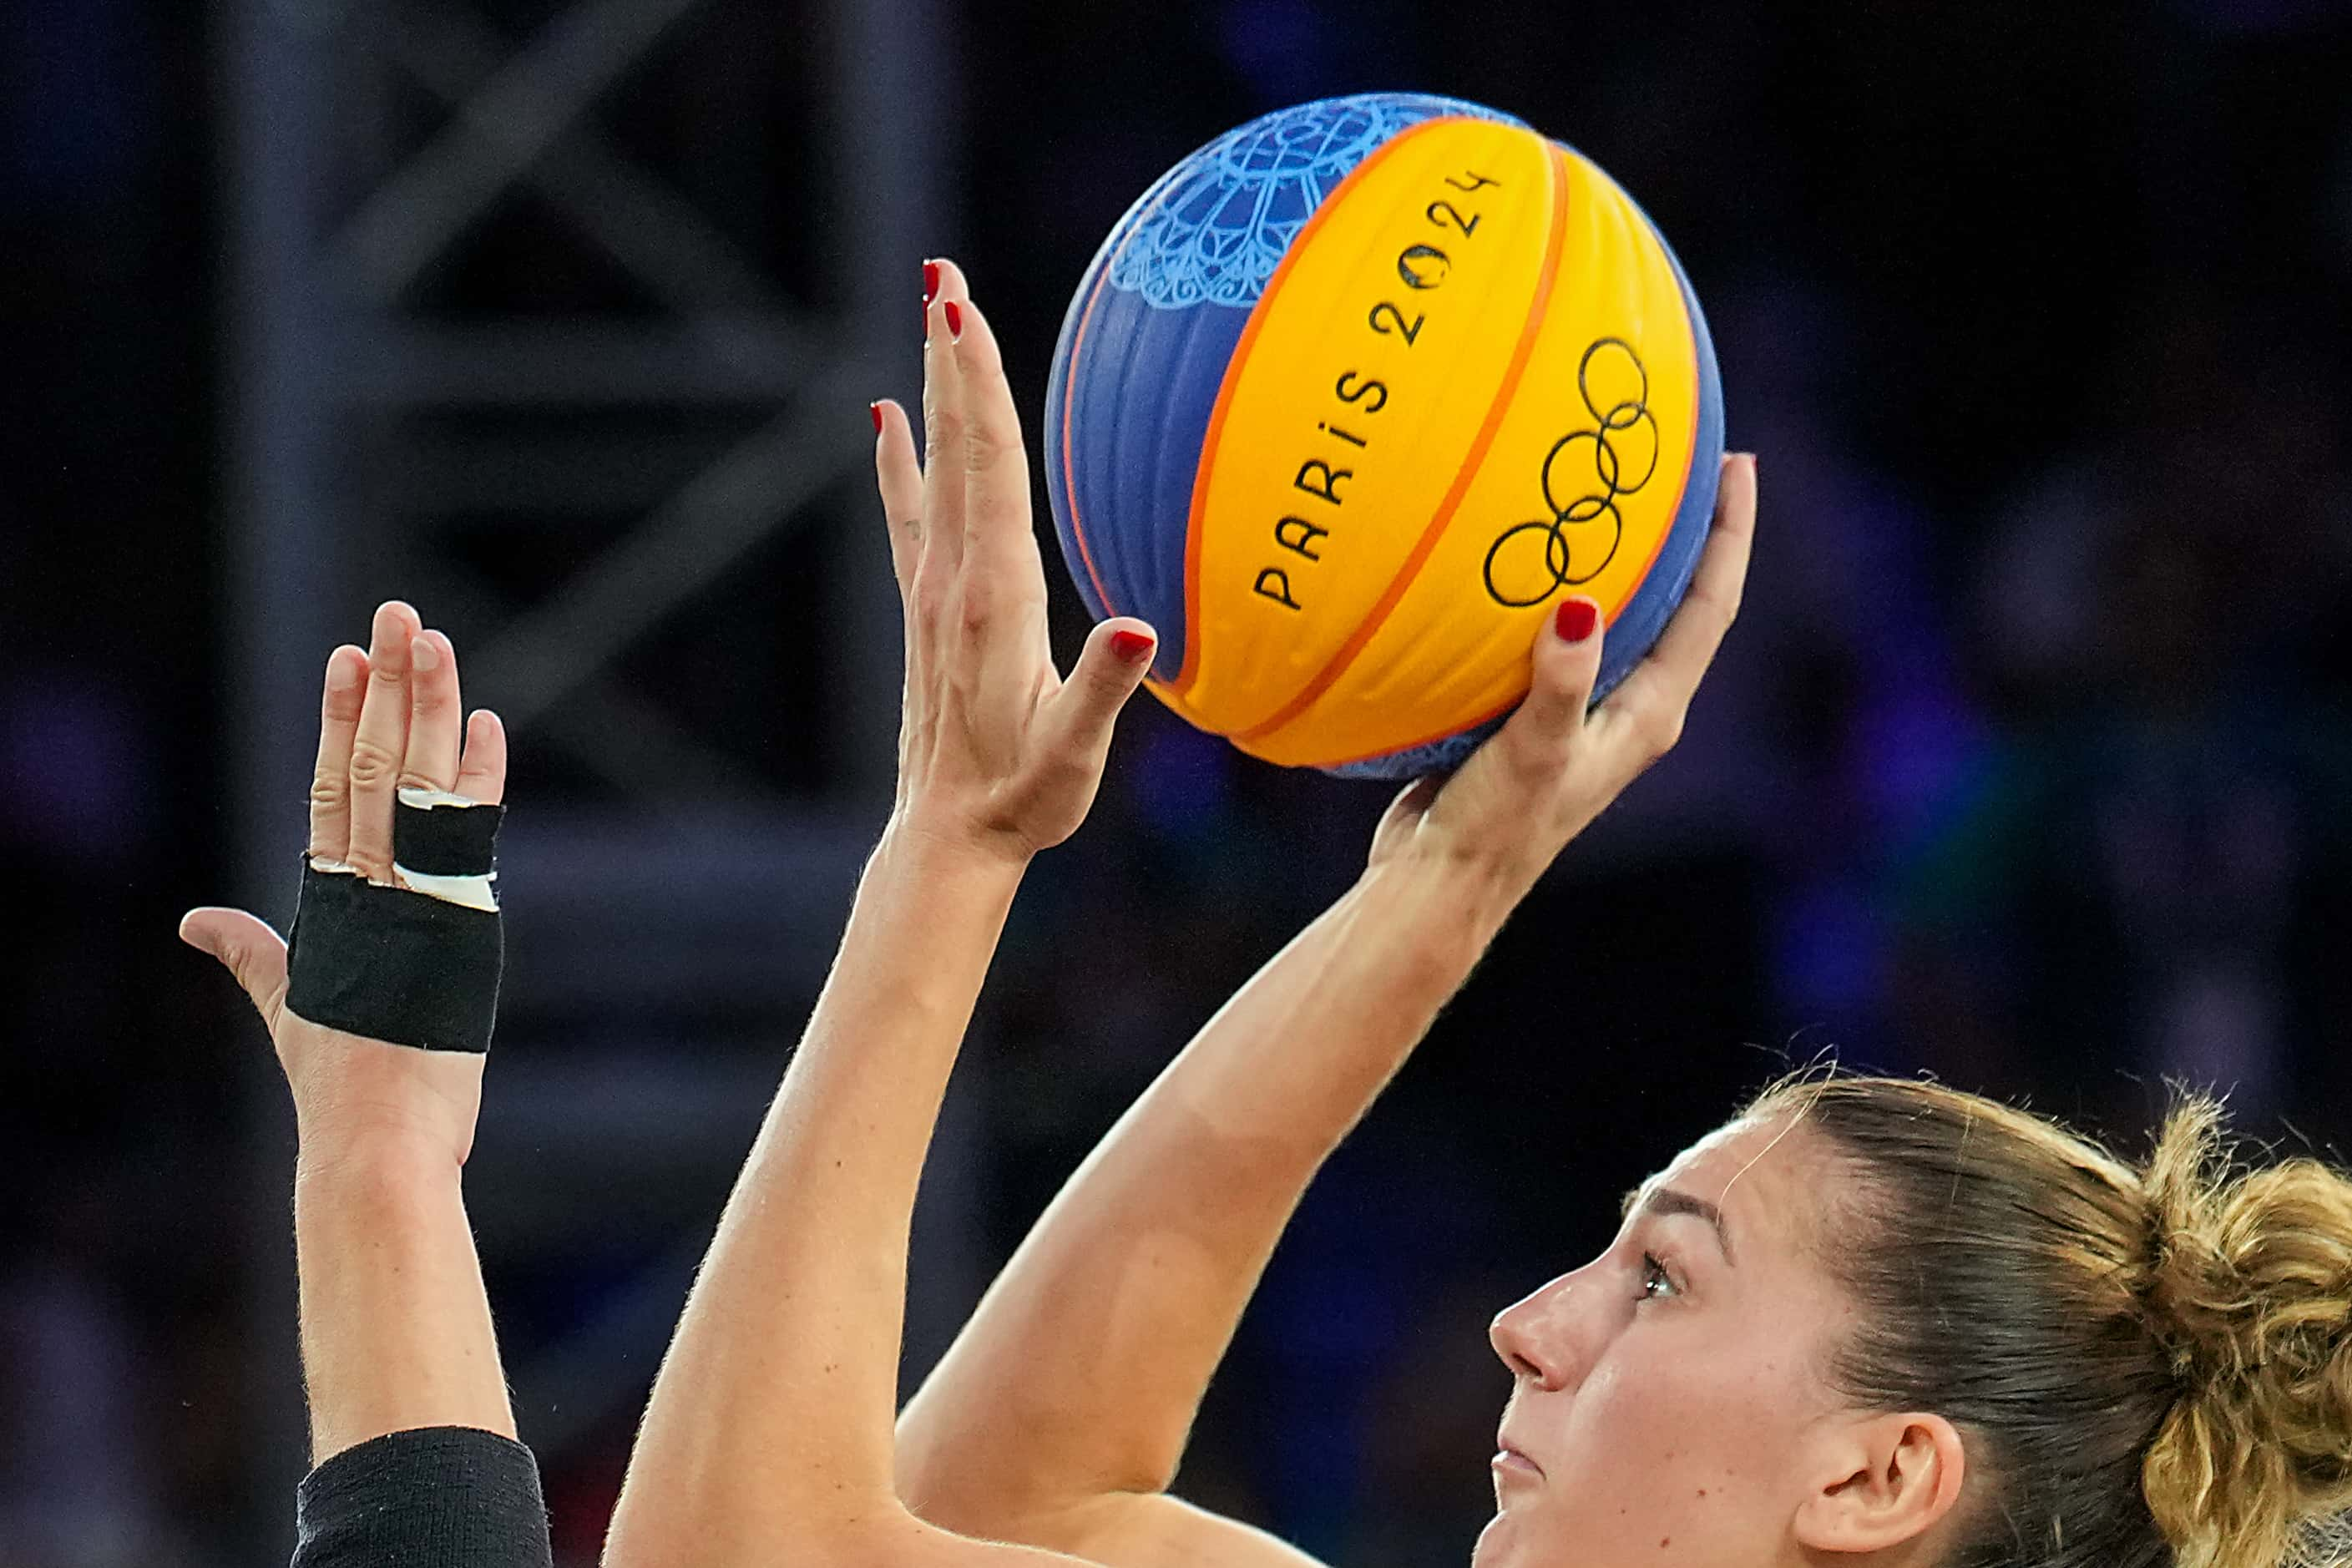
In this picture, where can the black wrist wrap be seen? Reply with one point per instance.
(398, 965)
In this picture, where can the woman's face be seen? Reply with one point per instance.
(1666, 1390)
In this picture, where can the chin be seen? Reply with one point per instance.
(1503, 1543)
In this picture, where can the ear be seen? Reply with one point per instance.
(1882, 1481)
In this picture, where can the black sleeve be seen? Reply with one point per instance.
(439, 1497)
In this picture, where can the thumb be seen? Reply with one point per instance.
(1117, 658)
(248, 949)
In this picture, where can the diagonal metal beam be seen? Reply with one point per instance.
(760, 487)
(622, 738)
(709, 359)
(496, 136)
(658, 235)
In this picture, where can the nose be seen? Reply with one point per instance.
(1536, 1336)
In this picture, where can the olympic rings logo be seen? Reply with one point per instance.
(1614, 458)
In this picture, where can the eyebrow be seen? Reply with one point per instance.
(1665, 1201)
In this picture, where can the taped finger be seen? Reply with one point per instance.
(482, 776)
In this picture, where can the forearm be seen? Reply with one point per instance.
(770, 1420)
(395, 1327)
(1080, 1374)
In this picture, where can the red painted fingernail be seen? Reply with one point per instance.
(930, 283)
(1129, 646)
(955, 320)
(875, 410)
(1575, 619)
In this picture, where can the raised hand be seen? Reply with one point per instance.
(995, 749)
(1559, 761)
(391, 717)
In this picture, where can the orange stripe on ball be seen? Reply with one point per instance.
(1258, 314)
(1520, 354)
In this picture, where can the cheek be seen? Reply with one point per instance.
(1672, 1413)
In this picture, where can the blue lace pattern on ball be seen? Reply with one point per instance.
(1437, 757)
(1217, 227)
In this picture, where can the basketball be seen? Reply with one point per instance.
(1350, 398)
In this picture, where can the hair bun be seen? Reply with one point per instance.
(2249, 1293)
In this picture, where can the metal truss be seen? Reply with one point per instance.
(373, 434)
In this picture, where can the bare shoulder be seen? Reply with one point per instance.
(1123, 1529)
(909, 1543)
(1152, 1529)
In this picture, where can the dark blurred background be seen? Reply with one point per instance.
(2028, 763)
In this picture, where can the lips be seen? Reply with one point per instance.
(1509, 1461)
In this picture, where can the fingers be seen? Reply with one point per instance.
(331, 776)
(997, 532)
(1117, 658)
(381, 740)
(900, 477)
(943, 423)
(1644, 714)
(483, 775)
(1566, 662)
(248, 949)
(436, 716)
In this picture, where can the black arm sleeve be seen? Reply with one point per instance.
(439, 1497)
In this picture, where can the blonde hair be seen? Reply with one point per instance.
(2151, 1365)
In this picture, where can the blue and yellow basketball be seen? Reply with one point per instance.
(1351, 397)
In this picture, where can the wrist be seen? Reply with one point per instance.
(383, 1158)
(927, 845)
(1452, 896)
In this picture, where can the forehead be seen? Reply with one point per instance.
(1756, 1172)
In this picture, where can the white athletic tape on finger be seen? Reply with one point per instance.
(465, 843)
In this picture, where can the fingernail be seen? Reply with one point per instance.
(1129, 646)
(955, 320)
(341, 673)
(1575, 618)
(930, 283)
(876, 409)
(423, 653)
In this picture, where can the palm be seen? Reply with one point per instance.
(353, 1091)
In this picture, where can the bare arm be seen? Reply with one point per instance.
(1069, 1397)
(769, 1433)
(1060, 1414)
(395, 1327)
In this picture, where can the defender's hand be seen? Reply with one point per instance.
(997, 751)
(391, 717)
(1555, 765)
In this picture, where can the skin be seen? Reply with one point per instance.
(1670, 1404)
(395, 1327)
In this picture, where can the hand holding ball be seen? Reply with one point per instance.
(1351, 398)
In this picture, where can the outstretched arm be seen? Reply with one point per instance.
(1059, 1415)
(410, 1428)
(769, 1435)
(395, 1328)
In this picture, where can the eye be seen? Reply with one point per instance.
(1654, 1275)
